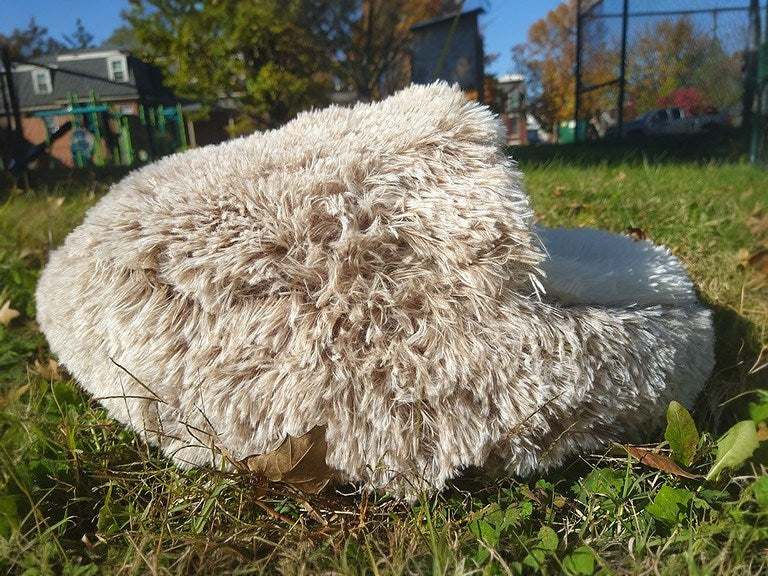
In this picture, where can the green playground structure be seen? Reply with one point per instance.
(104, 136)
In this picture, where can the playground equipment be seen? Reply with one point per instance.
(103, 136)
(36, 151)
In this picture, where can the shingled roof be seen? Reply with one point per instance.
(88, 70)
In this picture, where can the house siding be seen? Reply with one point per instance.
(463, 61)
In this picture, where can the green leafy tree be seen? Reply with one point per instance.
(123, 37)
(270, 58)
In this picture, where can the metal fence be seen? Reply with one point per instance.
(700, 55)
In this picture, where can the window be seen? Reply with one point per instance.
(117, 68)
(41, 82)
(514, 125)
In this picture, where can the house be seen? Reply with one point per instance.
(449, 48)
(119, 109)
(513, 112)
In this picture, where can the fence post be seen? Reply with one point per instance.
(577, 99)
(750, 78)
(622, 70)
(17, 142)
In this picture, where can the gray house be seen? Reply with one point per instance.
(115, 76)
(449, 48)
(114, 106)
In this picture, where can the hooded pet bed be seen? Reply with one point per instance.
(374, 271)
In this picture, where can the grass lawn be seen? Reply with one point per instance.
(80, 495)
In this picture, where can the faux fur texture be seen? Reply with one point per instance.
(374, 270)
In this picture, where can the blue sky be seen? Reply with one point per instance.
(504, 24)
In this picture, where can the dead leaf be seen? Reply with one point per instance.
(757, 222)
(55, 201)
(762, 432)
(657, 461)
(298, 462)
(637, 234)
(759, 261)
(49, 371)
(743, 256)
(7, 313)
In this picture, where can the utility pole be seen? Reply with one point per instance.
(748, 120)
(17, 140)
(623, 70)
(577, 96)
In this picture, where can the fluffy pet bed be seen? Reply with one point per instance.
(374, 271)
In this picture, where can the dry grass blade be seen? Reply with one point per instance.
(657, 461)
(298, 462)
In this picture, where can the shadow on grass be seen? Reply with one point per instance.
(62, 180)
(724, 145)
(724, 399)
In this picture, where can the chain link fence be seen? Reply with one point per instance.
(695, 58)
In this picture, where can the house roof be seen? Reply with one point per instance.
(85, 71)
(441, 19)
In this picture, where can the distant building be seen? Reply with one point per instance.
(122, 108)
(513, 114)
(449, 49)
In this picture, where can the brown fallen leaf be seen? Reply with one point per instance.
(49, 371)
(657, 461)
(7, 313)
(298, 462)
(762, 432)
(759, 261)
(637, 234)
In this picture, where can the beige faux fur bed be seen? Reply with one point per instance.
(374, 270)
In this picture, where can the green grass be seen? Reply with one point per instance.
(81, 495)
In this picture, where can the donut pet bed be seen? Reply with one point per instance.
(373, 273)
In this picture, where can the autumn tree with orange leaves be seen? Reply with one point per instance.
(670, 60)
(548, 60)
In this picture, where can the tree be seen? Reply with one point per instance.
(80, 39)
(123, 37)
(31, 42)
(548, 60)
(376, 59)
(671, 57)
(272, 58)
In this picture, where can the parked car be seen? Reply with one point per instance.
(663, 121)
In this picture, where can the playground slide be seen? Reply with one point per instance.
(34, 152)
